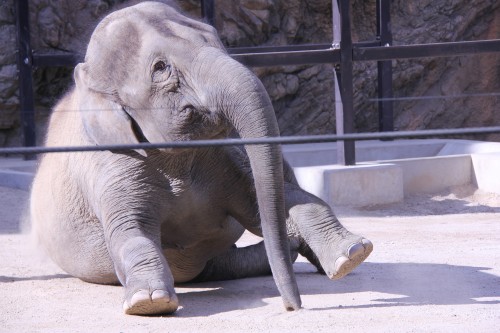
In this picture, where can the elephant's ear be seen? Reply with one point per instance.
(104, 120)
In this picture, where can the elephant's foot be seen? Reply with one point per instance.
(354, 255)
(143, 302)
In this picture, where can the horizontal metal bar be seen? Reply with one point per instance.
(261, 56)
(250, 56)
(314, 53)
(366, 44)
(63, 59)
(280, 48)
(430, 97)
(289, 58)
(274, 140)
(425, 50)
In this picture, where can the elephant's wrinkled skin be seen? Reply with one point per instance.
(149, 218)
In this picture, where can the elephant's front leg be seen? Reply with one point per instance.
(324, 241)
(142, 270)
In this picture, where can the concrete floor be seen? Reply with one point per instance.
(435, 268)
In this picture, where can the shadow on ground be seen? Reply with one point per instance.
(10, 279)
(405, 284)
(371, 285)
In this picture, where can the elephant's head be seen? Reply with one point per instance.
(164, 77)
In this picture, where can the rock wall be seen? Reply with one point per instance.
(302, 95)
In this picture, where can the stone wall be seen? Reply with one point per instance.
(302, 95)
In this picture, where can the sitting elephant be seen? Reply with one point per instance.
(149, 218)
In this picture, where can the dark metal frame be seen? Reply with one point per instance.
(342, 52)
(25, 71)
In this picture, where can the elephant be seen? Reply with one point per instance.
(148, 218)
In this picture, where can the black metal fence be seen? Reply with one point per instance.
(342, 52)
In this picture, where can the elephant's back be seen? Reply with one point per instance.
(65, 125)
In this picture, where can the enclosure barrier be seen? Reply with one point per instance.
(342, 53)
(258, 141)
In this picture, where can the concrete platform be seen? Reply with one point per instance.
(386, 172)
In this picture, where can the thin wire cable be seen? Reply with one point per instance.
(405, 98)
(433, 97)
(286, 140)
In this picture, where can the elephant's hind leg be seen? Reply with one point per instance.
(347, 255)
(236, 263)
(324, 241)
(240, 262)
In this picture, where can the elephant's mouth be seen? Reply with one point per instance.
(136, 128)
(195, 126)
(200, 123)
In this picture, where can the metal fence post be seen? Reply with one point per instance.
(24, 66)
(344, 111)
(384, 68)
(208, 11)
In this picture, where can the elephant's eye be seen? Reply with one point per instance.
(162, 72)
(160, 66)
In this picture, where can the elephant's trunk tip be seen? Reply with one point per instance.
(293, 307)
(291, 297)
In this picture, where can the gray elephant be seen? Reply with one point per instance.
(147, 218)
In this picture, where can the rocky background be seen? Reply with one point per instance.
(302, 95)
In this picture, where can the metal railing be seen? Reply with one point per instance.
(342, 53)
(271, 140)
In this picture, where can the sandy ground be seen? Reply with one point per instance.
(435, 268)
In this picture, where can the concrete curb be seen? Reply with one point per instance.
(17, 173)
(16, 179)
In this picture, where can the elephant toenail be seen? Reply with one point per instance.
(338, 264)
(139, 296)
(355, 250)
(126, 306)
(367, 244)
(159, 294)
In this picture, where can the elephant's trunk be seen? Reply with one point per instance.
(240, 95)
